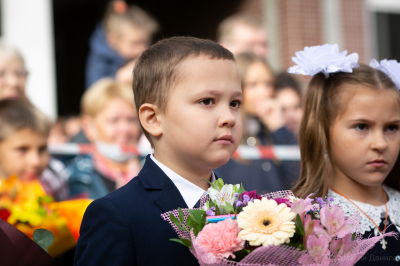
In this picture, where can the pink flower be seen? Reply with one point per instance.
(317, 247)
(313, 227)
(220, 239)
(282, 200)
(302, 206)
(342, 246)
(334, 220)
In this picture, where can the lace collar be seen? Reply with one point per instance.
(374, 212)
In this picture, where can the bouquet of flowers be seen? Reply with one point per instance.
(238, 227)
(26, 206)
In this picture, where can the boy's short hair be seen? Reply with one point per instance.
(226, 27)
(119, 11)
(157, 69)
(100, 93)
(18, 114)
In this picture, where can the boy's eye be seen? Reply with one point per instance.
(235, 104)
(22, 149)
(43, 149)
(361, 127)
(207, 101)
(392, 128)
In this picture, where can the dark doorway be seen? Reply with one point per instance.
(388, 36)
(74, 21)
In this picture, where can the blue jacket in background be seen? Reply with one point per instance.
(265, 176)
(125, 227)
(102, 61)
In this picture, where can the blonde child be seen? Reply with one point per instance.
(350, 140)
(23, 147)
(108, 117)
(124, 34)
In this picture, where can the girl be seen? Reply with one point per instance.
(349, 142)
(263, 125)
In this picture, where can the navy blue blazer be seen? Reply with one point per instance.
(125, 227)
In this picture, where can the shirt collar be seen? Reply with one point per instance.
(189, 191)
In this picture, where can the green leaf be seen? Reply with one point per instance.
(46, 199)
(211, 184)
(198, 215)
(229, 207)
(353, 237)
(189, 223)
(181, 215)
(211, 203)
(44, 238)
(219, 183)
(300, 224)
(42, 212)
(296, 245)
(217, 210)
(182, 241)
(177, 222)
(241, 254)
(241, 190)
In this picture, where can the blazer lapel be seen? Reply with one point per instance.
(153, 178)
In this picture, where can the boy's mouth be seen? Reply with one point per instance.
(225, 139)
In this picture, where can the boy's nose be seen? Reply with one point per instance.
(34, 159)
(227, 119)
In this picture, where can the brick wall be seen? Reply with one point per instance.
(353, 17)
(301, 23)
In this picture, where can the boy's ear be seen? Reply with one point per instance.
(150, 120)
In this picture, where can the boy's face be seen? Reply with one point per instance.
(202, 126)
(24, 154)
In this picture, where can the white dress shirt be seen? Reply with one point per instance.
(189, 191)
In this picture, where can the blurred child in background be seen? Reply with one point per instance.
(289, 94)
(242, 33)
(108, 117)
(124, 34)
(23, 147)
(263, 125)
(13, 73)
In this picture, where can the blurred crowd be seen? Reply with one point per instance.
(271, 111)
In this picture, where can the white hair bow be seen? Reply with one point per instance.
(323, 58)
(390, 68)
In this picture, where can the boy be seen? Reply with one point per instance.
(187, 93)
(23, 147)
(124, 34)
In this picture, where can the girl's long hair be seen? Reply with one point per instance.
(324, 100)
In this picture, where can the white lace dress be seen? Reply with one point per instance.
(387, 253)
(376, 213)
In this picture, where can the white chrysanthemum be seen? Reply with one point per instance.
(323, 58)
(264, 222)
(390, 68)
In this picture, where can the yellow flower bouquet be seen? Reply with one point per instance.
(26, 206)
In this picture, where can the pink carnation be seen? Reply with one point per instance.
(221, 239)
